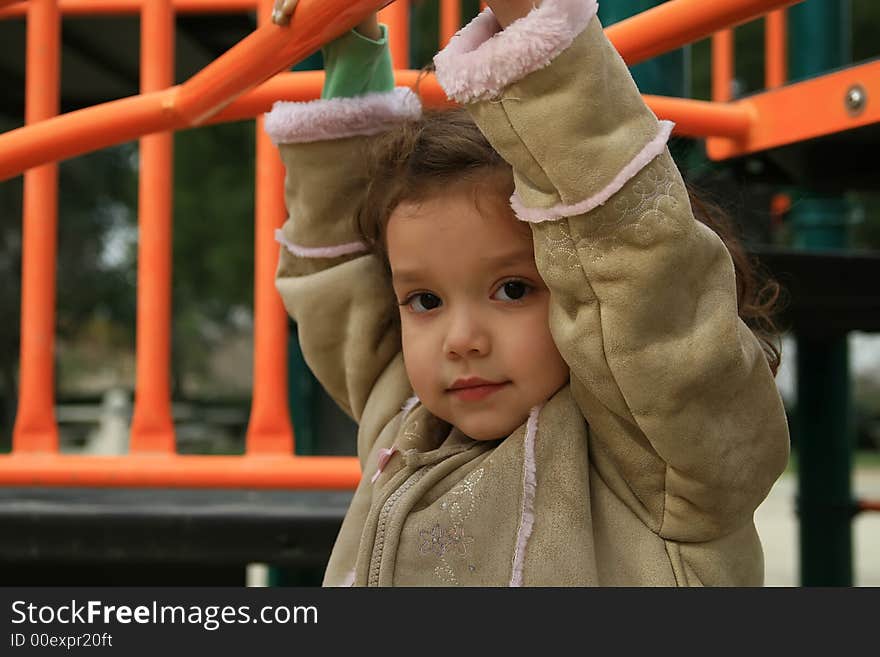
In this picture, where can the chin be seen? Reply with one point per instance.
(479, 431)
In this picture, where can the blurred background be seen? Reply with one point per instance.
(213, 261)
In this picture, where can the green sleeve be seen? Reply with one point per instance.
(355, 65)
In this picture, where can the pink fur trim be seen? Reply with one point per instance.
(482, 59)
(384, 456)
(319, 251)
(409, 405)
(334, 118)
(527, 514)
(349, 578)
(385, 453)
(651, 150)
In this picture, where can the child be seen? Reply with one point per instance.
(566, 399)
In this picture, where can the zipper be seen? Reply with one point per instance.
(384, 516)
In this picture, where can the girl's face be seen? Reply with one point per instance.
(473, 311)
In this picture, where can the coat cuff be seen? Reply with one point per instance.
(651, 150)
(335, 118)
(482, 59)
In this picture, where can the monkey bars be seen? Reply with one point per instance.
(240, 84)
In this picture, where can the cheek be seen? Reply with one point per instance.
(537, 341)
(417, 353)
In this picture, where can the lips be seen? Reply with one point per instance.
(473, 382)
(474, 388)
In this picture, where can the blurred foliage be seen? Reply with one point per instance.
(96, 194)
(213, 266)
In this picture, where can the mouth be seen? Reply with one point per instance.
(474, 389)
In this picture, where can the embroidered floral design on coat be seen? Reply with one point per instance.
(438, 541)
(444, 541)
(563, 256)
(635, 216)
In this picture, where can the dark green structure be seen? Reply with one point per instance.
(819, 41)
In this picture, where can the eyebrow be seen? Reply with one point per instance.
(499, 260)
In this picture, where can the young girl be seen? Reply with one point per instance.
(558, 394)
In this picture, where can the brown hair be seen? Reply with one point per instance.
(413, 161)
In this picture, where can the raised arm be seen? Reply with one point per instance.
(339, 294)
(686, 424)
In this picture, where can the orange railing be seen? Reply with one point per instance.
(240, 84)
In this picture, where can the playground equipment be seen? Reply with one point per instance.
(243, 83)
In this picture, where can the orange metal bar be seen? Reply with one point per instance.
(307, 85)
(869, 505)
(693, 118)
(272, 48)
(775, 49)
(269, 427)
(450, 19)
(698, 118)
(152, 428)
(782, 119)
(86, 130)
(678, 22)
(396, 17)
(722, 66)
(116, 7)
(268, 50)
(122, 120)
(172, 470)
(35, 426)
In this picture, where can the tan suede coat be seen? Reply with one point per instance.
(649, 466)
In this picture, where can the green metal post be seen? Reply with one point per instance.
(818, 41)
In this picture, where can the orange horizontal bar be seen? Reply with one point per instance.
(808, 109)
(307, 85)
(268, 50)
(180, 471)
(699, 118)
(693, 118)
(103, 125)
(115, 7)
(86, 130)
(118, 121)
(676, 23)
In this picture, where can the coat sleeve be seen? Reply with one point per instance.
(686, 424)
(338, 293)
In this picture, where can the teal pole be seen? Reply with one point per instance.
(819, 41)
(666, 75)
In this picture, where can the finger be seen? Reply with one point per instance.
(282, 11)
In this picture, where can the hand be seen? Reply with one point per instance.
(283, 10)
(507, 11)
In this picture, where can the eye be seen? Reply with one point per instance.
(422, 302)
(513, 290)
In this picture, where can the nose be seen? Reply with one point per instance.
(467, 335)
